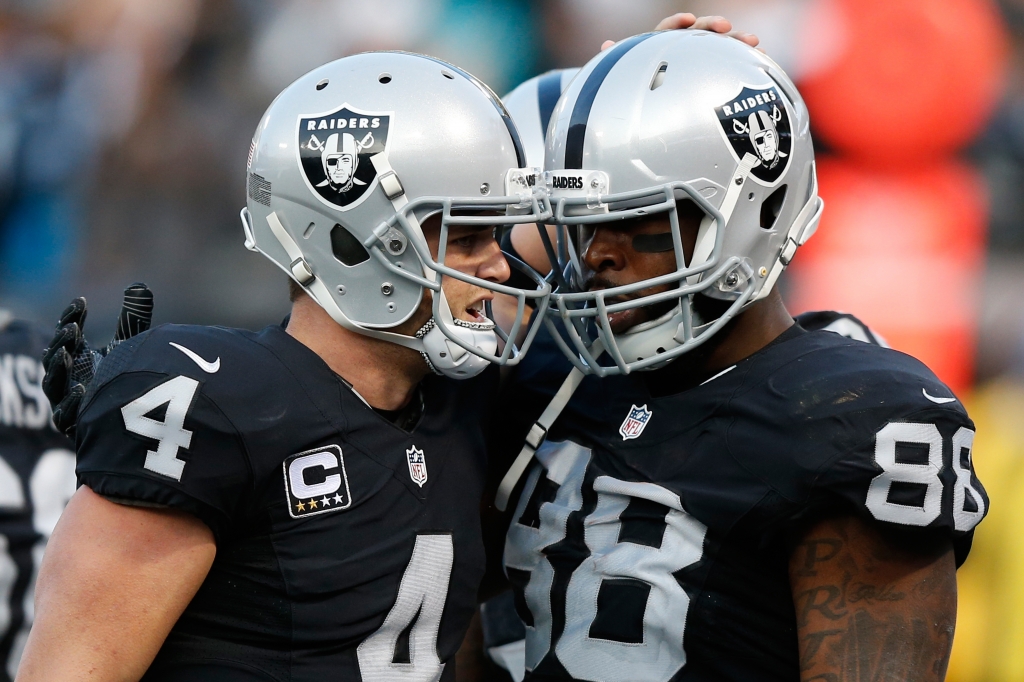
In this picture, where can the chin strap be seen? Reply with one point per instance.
(303, 274)
(538, 432)
(805, 225)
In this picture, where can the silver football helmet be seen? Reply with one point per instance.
(347, 163)
(660, 118)
(531, 105)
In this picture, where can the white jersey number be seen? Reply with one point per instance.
(51, 485)
(421, 597)
(170, 434)
(925, 473)
(658, 653)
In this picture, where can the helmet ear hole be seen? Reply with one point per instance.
(346, 247)
(772, 207)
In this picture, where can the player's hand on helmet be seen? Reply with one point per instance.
(71, 363)
(715, 24)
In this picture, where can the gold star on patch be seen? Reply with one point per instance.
(300, 507)
(312, 504)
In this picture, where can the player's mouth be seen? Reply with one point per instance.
(624, 320)
(474, 312)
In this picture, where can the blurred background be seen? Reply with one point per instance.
(124, 126)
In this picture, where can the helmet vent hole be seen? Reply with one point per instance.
(322, 84)
(384, 78)
(346, 247)
(750, 197)
(309, 230)
(659, 76)
(448, 75)
(772, 207)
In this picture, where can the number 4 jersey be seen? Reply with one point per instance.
(651, 540)
(347, 548)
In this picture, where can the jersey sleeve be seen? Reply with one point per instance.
(872, 432)
(915, 471)
(151, 434)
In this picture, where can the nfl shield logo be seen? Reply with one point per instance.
(635, 422)
(417, 465)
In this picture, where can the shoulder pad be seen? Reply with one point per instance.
(190, 350)
(833, 399)
(843, 324)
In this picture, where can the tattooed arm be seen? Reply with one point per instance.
(872, 606)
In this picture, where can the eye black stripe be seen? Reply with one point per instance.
(502, 111)
(585, 100)
(549, 89)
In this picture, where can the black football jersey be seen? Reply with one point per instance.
(37, 478)
(651, 537)
(347, 548)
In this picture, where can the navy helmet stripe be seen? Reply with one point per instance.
(585, 101)
(495, 100)
(549, 89)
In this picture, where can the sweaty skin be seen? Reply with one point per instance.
(115, 578)
(869, 606)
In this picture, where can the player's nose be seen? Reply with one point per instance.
(606, 250)
(493, 266)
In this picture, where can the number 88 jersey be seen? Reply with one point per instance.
(651, 540)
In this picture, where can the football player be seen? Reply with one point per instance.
(302, 503)
(37, 476)
(737, 498)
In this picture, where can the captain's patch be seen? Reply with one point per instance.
(315, 482)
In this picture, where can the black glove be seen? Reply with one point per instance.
(70, 362)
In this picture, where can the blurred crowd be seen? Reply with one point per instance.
(124, 126)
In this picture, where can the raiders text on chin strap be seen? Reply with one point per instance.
(748, 166)
(346, 165)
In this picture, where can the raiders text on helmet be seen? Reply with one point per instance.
(670, 116)
(346, 164)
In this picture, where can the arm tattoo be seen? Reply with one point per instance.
(869, 608)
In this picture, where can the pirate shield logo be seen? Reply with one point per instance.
(335, 150)
(756, 122)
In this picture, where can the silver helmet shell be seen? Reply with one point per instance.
(346, 164)
(669, 116)
(531, 105)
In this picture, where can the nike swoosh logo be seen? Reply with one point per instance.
(208, 367)
(940, 401)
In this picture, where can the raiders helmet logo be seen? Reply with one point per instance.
(756, 122)
(335, 150)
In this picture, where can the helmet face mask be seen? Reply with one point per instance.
(482, 214)
(585, 315)
(722, 127)
(347, 163)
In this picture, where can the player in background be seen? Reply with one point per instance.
(37, 476)
(303, 503)
(37, 467)
(737, 498)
